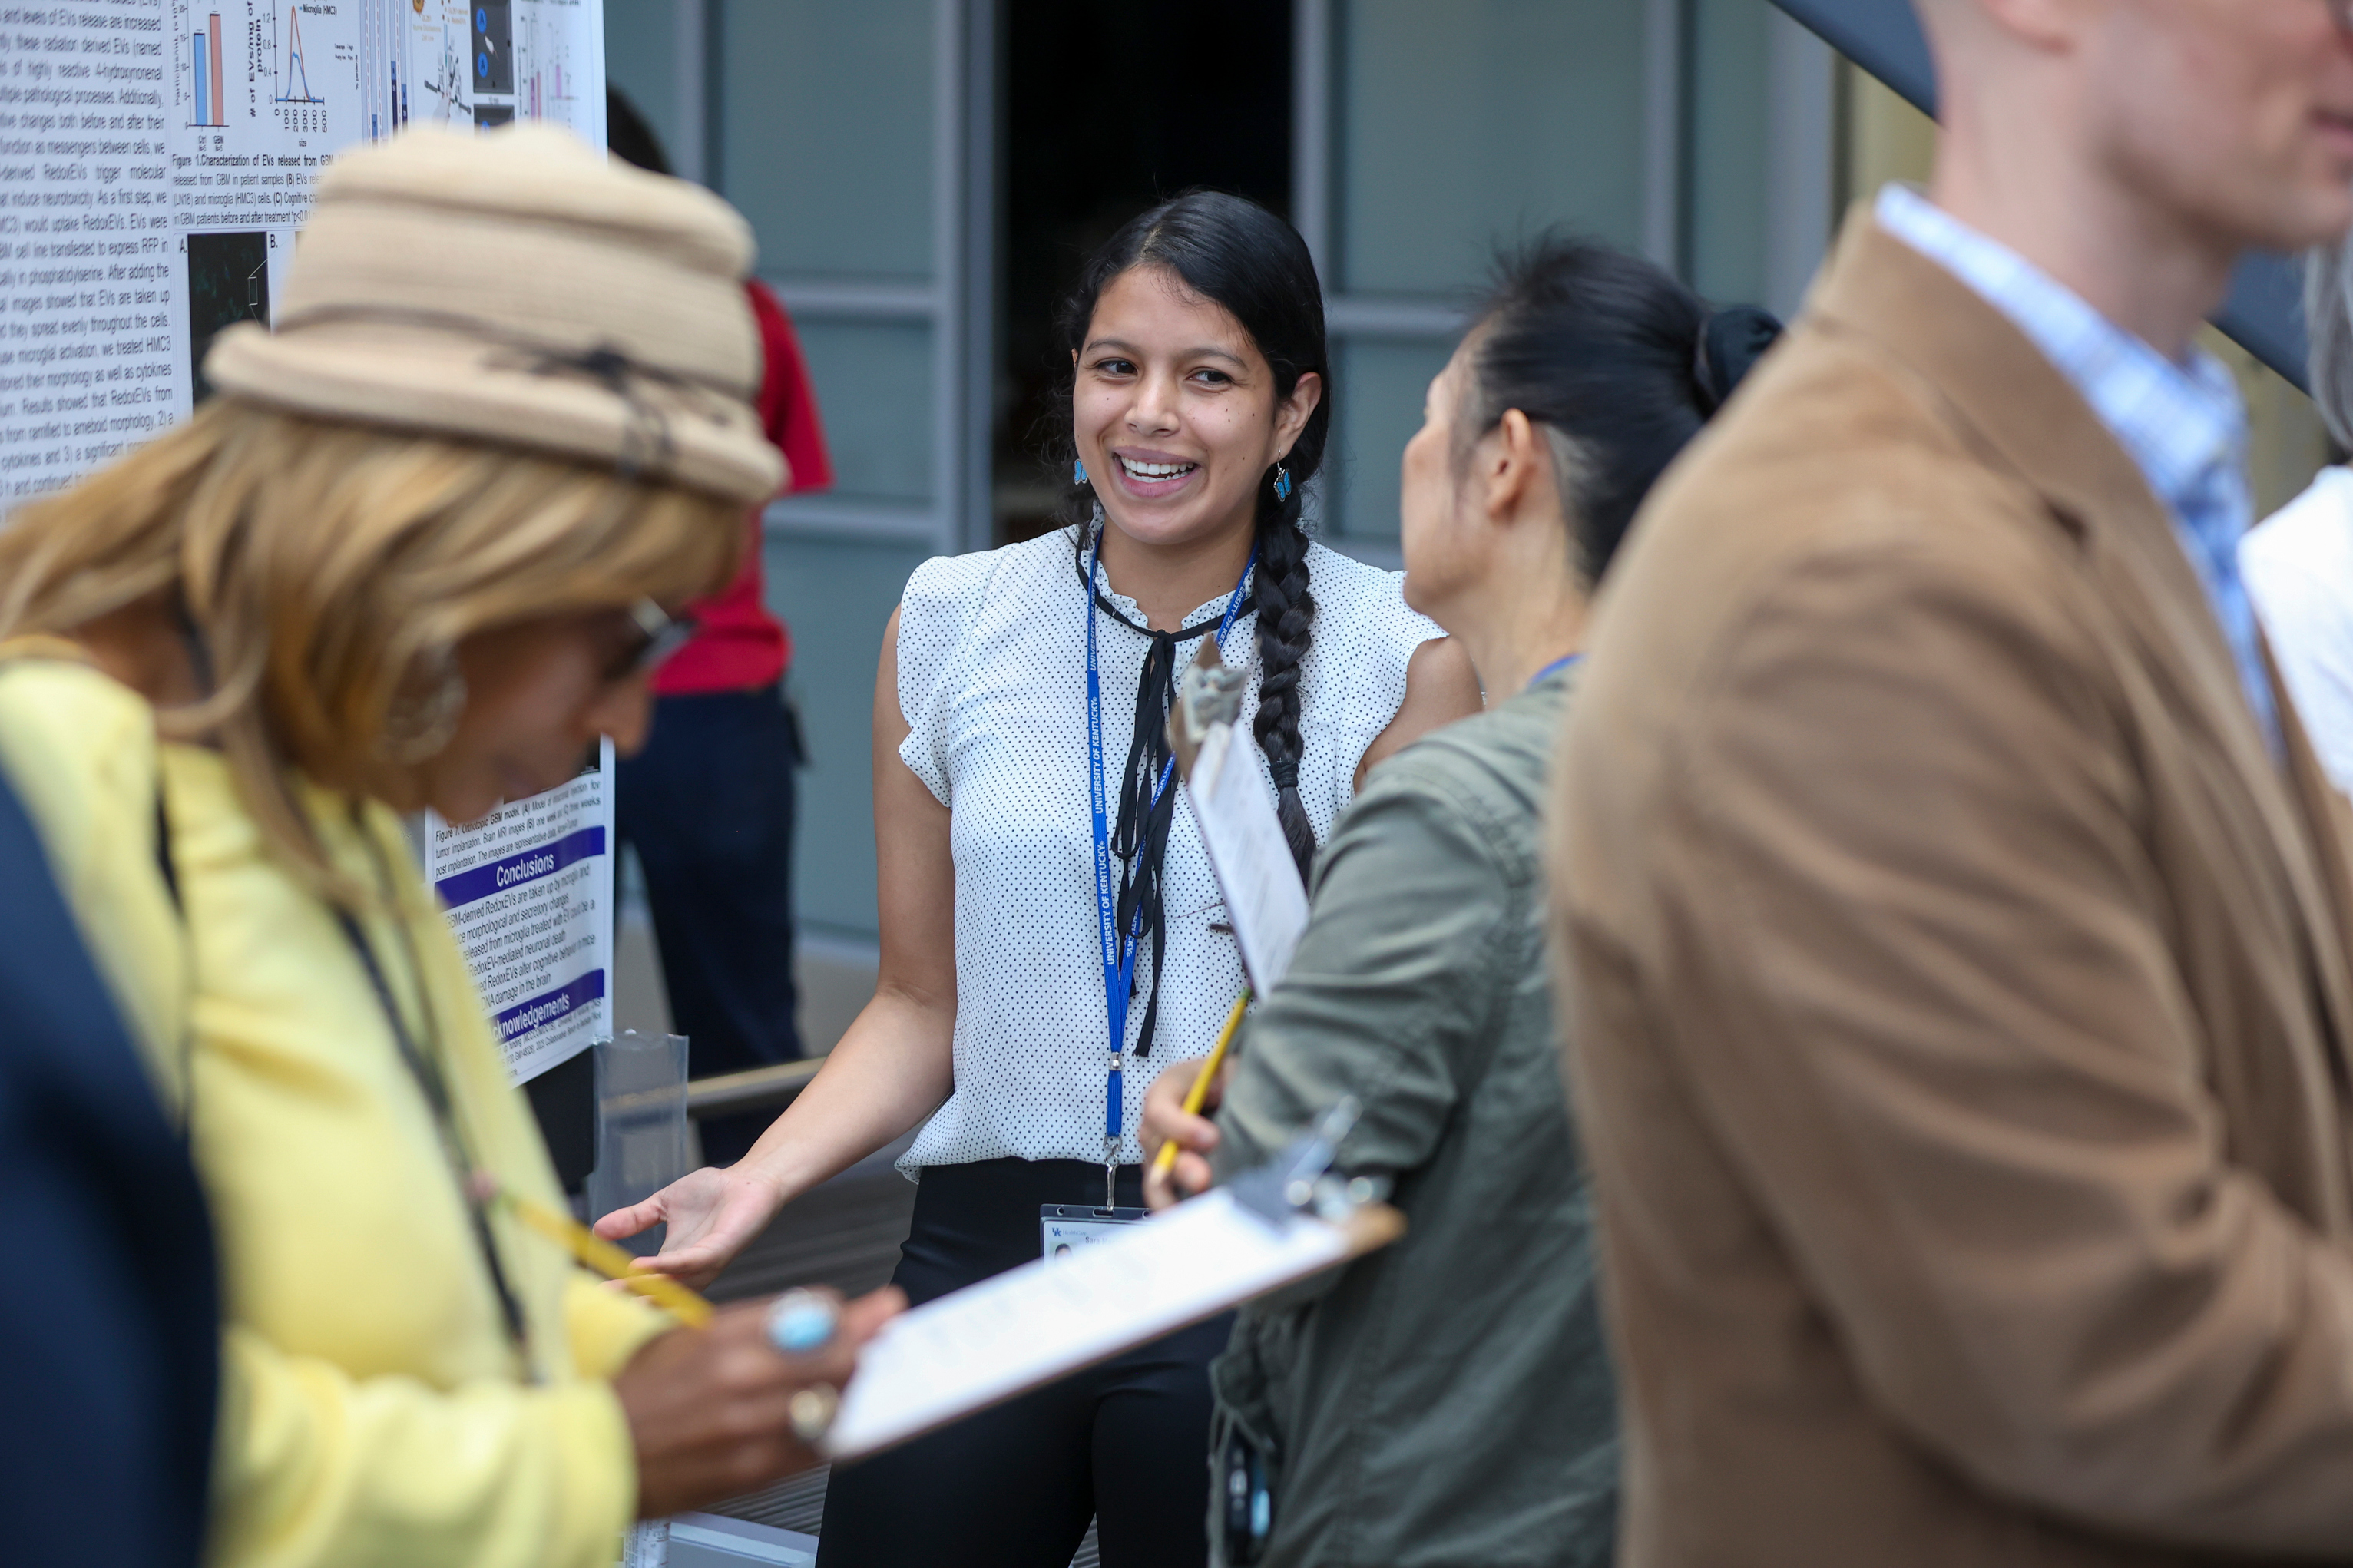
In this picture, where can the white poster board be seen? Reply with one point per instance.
(485, 62)
(156, 158)
(530, 893)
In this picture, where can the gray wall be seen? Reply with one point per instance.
(641, 59)
(1698, 129)
(836, 594)
(855, 135)
(824, 123)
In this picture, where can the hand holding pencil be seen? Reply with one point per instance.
(1176, 1137)
(739, 1395)
(593, 1251)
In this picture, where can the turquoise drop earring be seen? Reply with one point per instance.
(1281, 483)
(1078, 470)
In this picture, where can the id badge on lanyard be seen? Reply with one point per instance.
(1064, 1229)
(1118, 948)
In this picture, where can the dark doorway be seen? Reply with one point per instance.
(1111, 105)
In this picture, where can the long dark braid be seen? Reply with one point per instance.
(1286, 625)
(1241, 256)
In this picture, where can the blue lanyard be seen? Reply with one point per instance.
(1119, 953)
(1554, 668)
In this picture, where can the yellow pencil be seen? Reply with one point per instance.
(609, 1260)
(1166, 1161)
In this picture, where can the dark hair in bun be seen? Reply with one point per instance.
(1734, 339)
(1616, 363)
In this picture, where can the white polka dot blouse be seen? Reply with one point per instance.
(992, 682)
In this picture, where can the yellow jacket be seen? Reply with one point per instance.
(374, 1407)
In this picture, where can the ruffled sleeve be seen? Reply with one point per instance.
(935, 616)
(2294, 563)
(1361, 657)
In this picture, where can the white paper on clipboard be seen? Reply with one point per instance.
(1235, 817)
(981, 1345)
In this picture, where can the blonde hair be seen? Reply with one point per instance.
(331, 570)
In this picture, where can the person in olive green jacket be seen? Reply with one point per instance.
(1450, 1401)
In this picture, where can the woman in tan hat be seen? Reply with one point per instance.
(415, 554)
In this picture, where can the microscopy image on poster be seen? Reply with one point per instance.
(492, 24)
(228, 282)
(529, 61)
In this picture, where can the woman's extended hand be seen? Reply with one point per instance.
(713, 1215)
(894, 1065)
(1165, 1118)
(710, 1410)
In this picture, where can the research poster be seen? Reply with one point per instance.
(156, 157)
(156, 160)
(530, 893)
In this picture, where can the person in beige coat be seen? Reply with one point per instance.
(1957, 917)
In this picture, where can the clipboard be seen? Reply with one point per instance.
(1017, 1330)
(1265, 901)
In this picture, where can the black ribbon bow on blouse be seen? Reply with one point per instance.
(1140, 840)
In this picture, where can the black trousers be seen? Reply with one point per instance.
(708, 805)
(1125, 1442)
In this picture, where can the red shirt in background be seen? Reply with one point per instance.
(740, 645)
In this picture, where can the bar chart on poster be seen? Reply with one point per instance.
(246, 68)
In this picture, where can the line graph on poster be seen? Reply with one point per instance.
(294, 74)
(314, 69)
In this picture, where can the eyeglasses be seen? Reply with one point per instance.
(654, 634)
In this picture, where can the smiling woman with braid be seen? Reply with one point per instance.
(1198, 411)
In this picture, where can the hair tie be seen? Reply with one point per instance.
(1703, 375)
(1730, 343)
(1286, 773)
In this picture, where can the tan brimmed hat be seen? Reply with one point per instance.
(515, 288)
